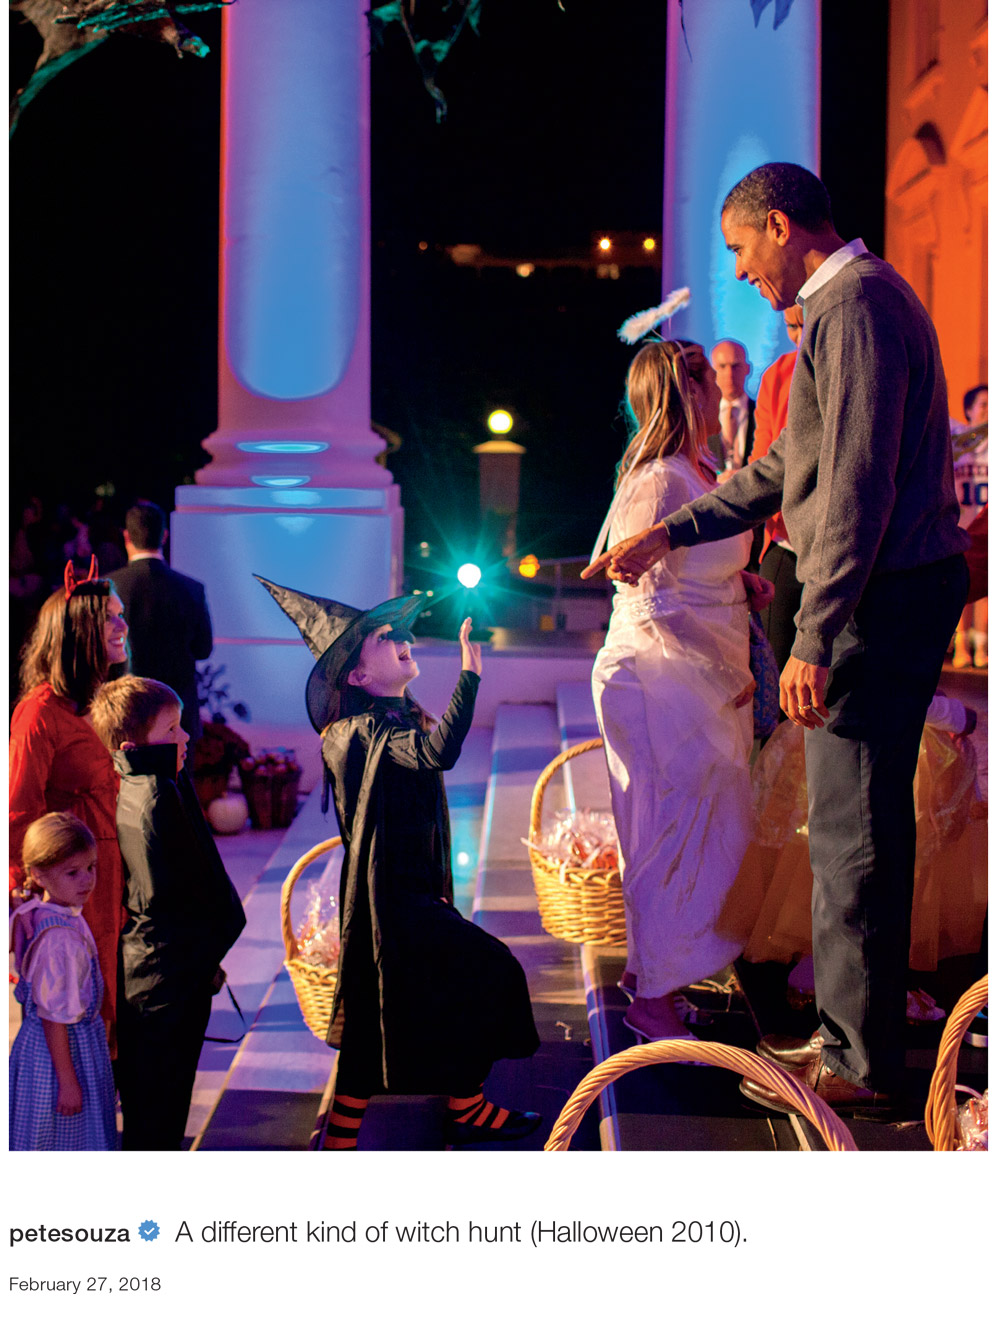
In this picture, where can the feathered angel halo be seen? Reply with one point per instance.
(644, 321)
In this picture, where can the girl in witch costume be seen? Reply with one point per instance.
(425, 1001)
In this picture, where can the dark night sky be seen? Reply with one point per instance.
(555, 129)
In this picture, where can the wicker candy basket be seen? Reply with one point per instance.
(941, 1105)
(804, 1101)
(314, 985)
(576, 904)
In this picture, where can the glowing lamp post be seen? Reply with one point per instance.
(500, 422)
(500, 472)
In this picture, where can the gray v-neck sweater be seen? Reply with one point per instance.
(862, 471)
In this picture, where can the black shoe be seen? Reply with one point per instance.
(515, 1127)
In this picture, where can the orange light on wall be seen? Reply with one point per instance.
(649, 244)
(529, 566)
(605, 244)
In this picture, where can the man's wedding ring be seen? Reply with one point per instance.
(805, 708)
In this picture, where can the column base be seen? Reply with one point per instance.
(342, 543)
(345, 544)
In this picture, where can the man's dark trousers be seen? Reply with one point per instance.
(778, 618)
(862, 832)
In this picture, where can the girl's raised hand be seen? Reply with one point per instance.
(469, 653)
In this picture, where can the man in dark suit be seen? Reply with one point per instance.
(734, 442)
(168, 621)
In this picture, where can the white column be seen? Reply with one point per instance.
(738, 96)
(293, 490)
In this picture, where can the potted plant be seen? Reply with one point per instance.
(220, 747)
(270, 781)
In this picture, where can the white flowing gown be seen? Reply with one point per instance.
(674, 660)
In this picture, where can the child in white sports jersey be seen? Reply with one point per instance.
(971, 484)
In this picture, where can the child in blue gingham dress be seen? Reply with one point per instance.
(61, 1089)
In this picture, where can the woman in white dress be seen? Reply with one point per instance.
(673, 691)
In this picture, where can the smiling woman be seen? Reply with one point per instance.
(115, 631)
(56, 759)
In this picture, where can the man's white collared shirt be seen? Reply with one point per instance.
(832, 265)
(737, 458)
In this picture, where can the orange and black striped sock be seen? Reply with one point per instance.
(344, 1121)
(478, 1111)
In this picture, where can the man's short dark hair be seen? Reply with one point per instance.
(146, 525)
(972, 394)
(781, 186)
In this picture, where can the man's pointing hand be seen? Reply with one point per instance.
(629, 559)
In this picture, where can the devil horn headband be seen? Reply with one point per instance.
(69, 577)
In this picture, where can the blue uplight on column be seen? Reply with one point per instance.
(281, 446)
(293, 207)
(743, 96)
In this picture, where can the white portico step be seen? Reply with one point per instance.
(525, 739)
(586, 776)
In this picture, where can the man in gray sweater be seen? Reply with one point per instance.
(863, 477)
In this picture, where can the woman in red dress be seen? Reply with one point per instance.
(57, 762)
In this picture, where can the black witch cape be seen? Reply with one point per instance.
(425, 1001)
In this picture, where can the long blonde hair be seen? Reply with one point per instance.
(661, 404)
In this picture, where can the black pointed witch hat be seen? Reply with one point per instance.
(318, 620)
(334, 633)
